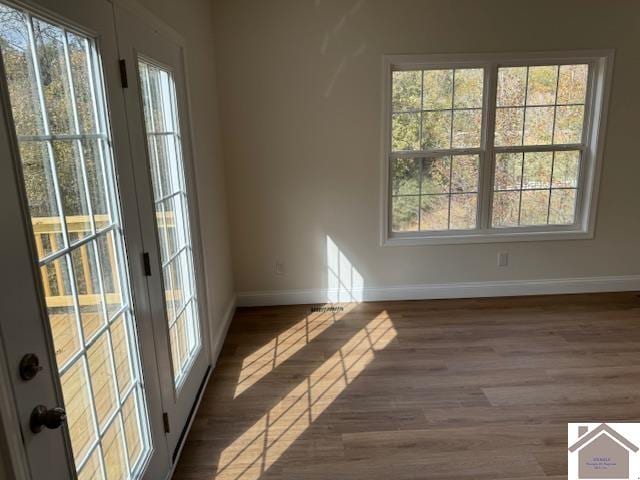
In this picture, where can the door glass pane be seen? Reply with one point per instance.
(172, 214)
(57, 103)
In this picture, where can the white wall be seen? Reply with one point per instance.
(299, 83)
(192, 19)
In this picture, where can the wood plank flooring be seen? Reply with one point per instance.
(440, 389)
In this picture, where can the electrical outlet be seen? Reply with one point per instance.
(503, 259)
(280, 270)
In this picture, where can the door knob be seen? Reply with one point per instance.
(45, 417)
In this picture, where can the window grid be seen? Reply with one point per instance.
(551, 147)
(60, 260)
(463, 190)
(549, 186)
(571, 202)
(170, 191)
(457, 136)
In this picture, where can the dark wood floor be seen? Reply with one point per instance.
(455, 389)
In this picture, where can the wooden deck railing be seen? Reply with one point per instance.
(47, 231)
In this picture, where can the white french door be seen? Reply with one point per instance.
(101, 309)
(157, 109)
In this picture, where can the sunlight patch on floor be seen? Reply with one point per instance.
(259, 363)
(257, 449)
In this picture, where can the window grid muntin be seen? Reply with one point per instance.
(549, 189)
(112, 204)
(597, 63)
(551, 147)
(452, 151)
(449, 193)
(451, 109)
(168, 113)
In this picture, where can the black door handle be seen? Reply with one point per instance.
(45, 417)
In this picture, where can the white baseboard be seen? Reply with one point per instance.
(444, 290)
(220, 333)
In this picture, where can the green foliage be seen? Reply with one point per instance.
(28, 120)
(434, 183)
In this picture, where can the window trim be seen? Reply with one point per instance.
(596, 107)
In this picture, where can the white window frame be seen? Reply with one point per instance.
(596, 106)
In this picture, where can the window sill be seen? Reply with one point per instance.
(408, 239)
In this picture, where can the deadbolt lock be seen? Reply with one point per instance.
(29, 366)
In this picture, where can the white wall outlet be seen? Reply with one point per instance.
(503, 259)
(280, 270)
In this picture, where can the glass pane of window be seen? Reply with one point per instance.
(406, 131)
(463, 211)
(436, 175)
(512, 85)
(538, 125)
(509, 126)
(121, 354)
(80, 414)
(464, 174)
(568, 126)
(102, 378)
(535, 188)
(534, 207)
(572, 84)
(49, 45)
(168, 178)
(451, 105)
(467, 125)
(115, 458)
(43, 203)
(565, 169)
(73, 188)
(536, 173)
(132, 430)
(562, 206)
(88, 289)
(506, 209)
(407, 91)
(92, 469)
(541, 85)
(438, 89)
(21, 76)
(508, 172)
(468, 88)
(444, 188)
(68, 172)
(405, 175)
(540, 105)
(79, 58)
(56, 281)
(404, 213)
(434, 212)
(436, 130)
(111, 273)
(93, 162)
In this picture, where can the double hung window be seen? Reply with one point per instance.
(492, 148)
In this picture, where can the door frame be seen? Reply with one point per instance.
(14, 463)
